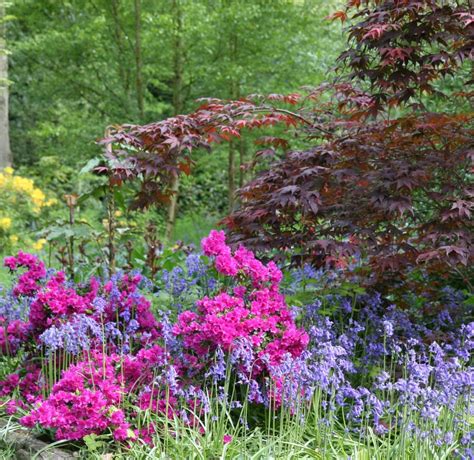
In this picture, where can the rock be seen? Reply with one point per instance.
(27, 446)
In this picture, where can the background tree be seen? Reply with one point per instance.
(5, 152)
(178, 102)
(394, 191)
(389, 180)
(78, 67)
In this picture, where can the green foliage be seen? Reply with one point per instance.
(192, 226)
(23, 208)
(74, 71)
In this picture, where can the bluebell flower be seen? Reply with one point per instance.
(387, 328)
(112, 331)
(125, 314)
(132, 327)
(171, 380)
(99, 304)
(195, 266)
(74, 336)
(169, 338)
(53, 339)
(218, 370)
(211, 283)
(242, 357)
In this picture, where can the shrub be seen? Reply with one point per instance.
(22, 205)
(98, 346)
(377, 176)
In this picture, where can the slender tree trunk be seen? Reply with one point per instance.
(241, 163)
(110, 215)
(138, 57)
(123, 68)
(5, 152)
(234, 94)
(178, 102)
(231, 173)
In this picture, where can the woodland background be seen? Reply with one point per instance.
(76, 67)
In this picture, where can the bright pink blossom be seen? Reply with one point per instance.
(256, 313)
(214, 244)
(29, 282)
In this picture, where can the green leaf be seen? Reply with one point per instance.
(92, 442)
(90, 165)
(97, 192)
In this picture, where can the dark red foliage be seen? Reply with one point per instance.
(155, 152)
(401, 47)
(396, 191)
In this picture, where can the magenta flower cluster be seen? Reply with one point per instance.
(255, 311)
(112, 357)
(28, 282)
(85, 400)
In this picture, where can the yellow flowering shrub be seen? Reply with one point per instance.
(5, 223)
(38, 245)
(22, 204)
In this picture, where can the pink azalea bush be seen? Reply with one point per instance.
(254, 311)
(27, 283)
(113, 358)
(84, 401)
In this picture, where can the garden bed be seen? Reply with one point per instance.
(223, 353)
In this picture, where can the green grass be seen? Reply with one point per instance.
(191, 228)
(291, 440)
(5, 279)
(305, 432)
(7, 452)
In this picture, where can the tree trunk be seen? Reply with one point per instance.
(123, 68)
(241, 163)
(138, 57)
(234, 94)
(231, 173)
(178, 102)
(5, 152)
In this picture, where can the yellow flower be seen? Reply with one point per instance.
(38, 197)
(5, 223)
(118, 213)
(39, 244)
(22, 184)
(13, 239)
(8, 170)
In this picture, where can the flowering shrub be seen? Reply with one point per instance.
(255, 312)
(115, 345)
(20, 202)
(83, 401)
(102, 359)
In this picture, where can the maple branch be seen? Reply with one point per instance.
(291, 114)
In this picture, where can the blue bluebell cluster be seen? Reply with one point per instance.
(73, 336)
(305, 277)
(184, 284)
(398, 367)
(13, 308)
